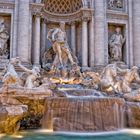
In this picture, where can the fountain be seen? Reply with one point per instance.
(62, 97)
(83, 114)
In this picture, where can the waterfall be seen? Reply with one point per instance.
(83, 114)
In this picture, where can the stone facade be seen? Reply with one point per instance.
(89, 25)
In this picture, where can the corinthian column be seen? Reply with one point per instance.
(84, 44)
(91, 42)
(73, 38)
(99, 32)
(36, 58)
(43, 37)
(23, 31)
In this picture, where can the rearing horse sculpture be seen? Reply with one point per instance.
(108, 76)
(127, 77)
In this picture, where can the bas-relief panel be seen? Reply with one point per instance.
(118, 5)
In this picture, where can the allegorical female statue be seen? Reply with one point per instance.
(116, 43)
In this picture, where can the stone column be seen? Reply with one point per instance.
(36, 55)
(73, 38)
(84, 44)
(15, 28)
(23, 31)
(131, 57)
(99, 32)
(91, 43)
(43, 37)
(136, 32)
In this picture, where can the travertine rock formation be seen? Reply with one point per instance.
(133, 114)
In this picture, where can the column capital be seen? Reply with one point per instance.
(85, 19)
(37, 14)
(73, 22)
(43, 20)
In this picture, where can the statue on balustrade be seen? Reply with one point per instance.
(116, 43)
(4, 36)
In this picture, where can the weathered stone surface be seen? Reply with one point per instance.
(11, 111)
(132, 97)
(20, 109)
(133, 114)
(83, 114)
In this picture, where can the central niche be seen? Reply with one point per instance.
(63, 6)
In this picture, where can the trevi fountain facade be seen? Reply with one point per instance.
(69, 65)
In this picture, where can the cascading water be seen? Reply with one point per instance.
(83, 114)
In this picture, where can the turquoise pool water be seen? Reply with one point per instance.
(43, 136)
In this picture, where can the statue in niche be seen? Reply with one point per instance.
(116, 43)
(58, 61)
(58, 38)
(4, 36)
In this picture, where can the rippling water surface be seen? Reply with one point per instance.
(134, 135)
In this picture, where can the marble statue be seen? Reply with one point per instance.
(33, 75)
(60, 45)
(10, 76)
(108, 76)
(91, 79)
(116, 43)
(126, 77)
(4, 36)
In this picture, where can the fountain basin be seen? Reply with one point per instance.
(39, 135)
(83, 114)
